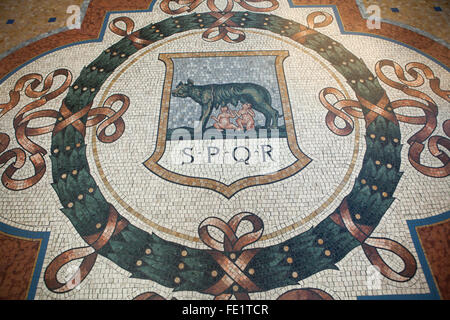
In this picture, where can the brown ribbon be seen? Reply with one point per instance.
(88, 254)
(189, 5)
(417, 80)
(30, 89)
(186, 6)
(245, 4)
(149, 296)
(22, 131)
(305, 294)
(223, 26)
(378, 109)
(342, 108)
(300, 36)
(96, 116)
(370, 246)
(134, 37)
(107, 116)
(346, 109)
(29, 113)
(234, 270)
(429, 121)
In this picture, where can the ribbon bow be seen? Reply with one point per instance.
(134, 37)
(345, 109)
(300, 36)
(114, 225)
(223, 26)
(370, 246)
(225, 254)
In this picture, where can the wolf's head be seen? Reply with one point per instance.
(182, 89)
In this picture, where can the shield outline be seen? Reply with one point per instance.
(230, 190)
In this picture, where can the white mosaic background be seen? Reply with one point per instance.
(278, 204)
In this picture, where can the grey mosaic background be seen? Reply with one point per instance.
(219, 70)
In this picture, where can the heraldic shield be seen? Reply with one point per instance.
(226, 122)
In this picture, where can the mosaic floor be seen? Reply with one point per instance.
(225, 149)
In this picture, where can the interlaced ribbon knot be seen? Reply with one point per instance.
(223, 26)
(189, 5)
(345, 109)
(225, 254)
(185, 6)
(371, 245)
(134, 37)
(300, 36)
(88, 255)
(33, 111)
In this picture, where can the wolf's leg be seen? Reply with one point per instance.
(206, 113)
(271, 115)
(267, 116)
(275, 115)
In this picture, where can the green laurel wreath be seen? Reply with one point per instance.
(271, 269)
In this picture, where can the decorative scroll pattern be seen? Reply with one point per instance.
(232, 265)
(137, 41)
(104, 115)
(23, 132)
(230, 254)
(429, 121)
(225, 254)
(88, 254)
(223, 26)
(186, 6)
(346, 109)
(371, 245)
(310, 20)
(189, 5)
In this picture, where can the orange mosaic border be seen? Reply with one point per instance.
(90, 29)
(97, 10)
(434, 241)
(19, 258)
(352, 21)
